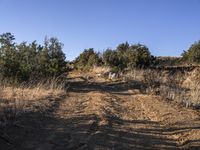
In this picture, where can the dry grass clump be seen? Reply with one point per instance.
(182, 86)
(168, 84)
(16, 100)
(193, 83)
(97, 69)
(135, 74)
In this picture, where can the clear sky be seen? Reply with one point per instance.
(167, 27)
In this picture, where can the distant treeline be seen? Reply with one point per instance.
(124, 56)
(26, 61)
(134, 56)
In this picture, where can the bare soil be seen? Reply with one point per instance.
(104, 115)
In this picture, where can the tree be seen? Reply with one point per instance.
(6, 40)
(123, 47)
(23, 61)
(110, 57)
(54, 56)
(128, 56)
(139, 56)
(87, 59)
(192, 55)
(8, 55)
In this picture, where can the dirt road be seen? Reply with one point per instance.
(108, 116)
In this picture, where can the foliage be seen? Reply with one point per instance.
(25, 61)
(167, 61)
(110, 58)
(139, 56)
(87, 59)
(127, 56)
(192, 55)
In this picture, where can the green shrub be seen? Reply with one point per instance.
(128, 56)
(115, 69)
(192, 55)
(87, 59)
(25, 61)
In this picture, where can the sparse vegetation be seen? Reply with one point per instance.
(172, 84)
(38, 93)
(16, 100)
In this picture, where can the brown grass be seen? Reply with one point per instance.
(102, 70)
(182, 86)
(16, 100)
(100, 115)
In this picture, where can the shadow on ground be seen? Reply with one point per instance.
(112, 87)
(42, 130)
(39, 132)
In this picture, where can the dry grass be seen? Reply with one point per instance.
(135, 74)
(111, 116)
(16, 100)
(99, 70)
(182, 86)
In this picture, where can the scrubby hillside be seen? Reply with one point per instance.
(96, 113)
(122, 98)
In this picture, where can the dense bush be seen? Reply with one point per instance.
(87, 59)
(192, 55)
(111, 58)
(139, 56)
(126, 56)
(24, 61)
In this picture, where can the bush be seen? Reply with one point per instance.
(114, 69)
(128, 56)
(192, 55)
(25, 61)
(139, 56)
(87, 59)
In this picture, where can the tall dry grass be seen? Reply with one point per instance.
(100, 69)
(182, 86)
(16, 99)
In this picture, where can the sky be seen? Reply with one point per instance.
(166, 27)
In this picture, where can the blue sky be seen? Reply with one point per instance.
(167, 27)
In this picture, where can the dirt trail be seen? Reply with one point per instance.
(101, 116)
